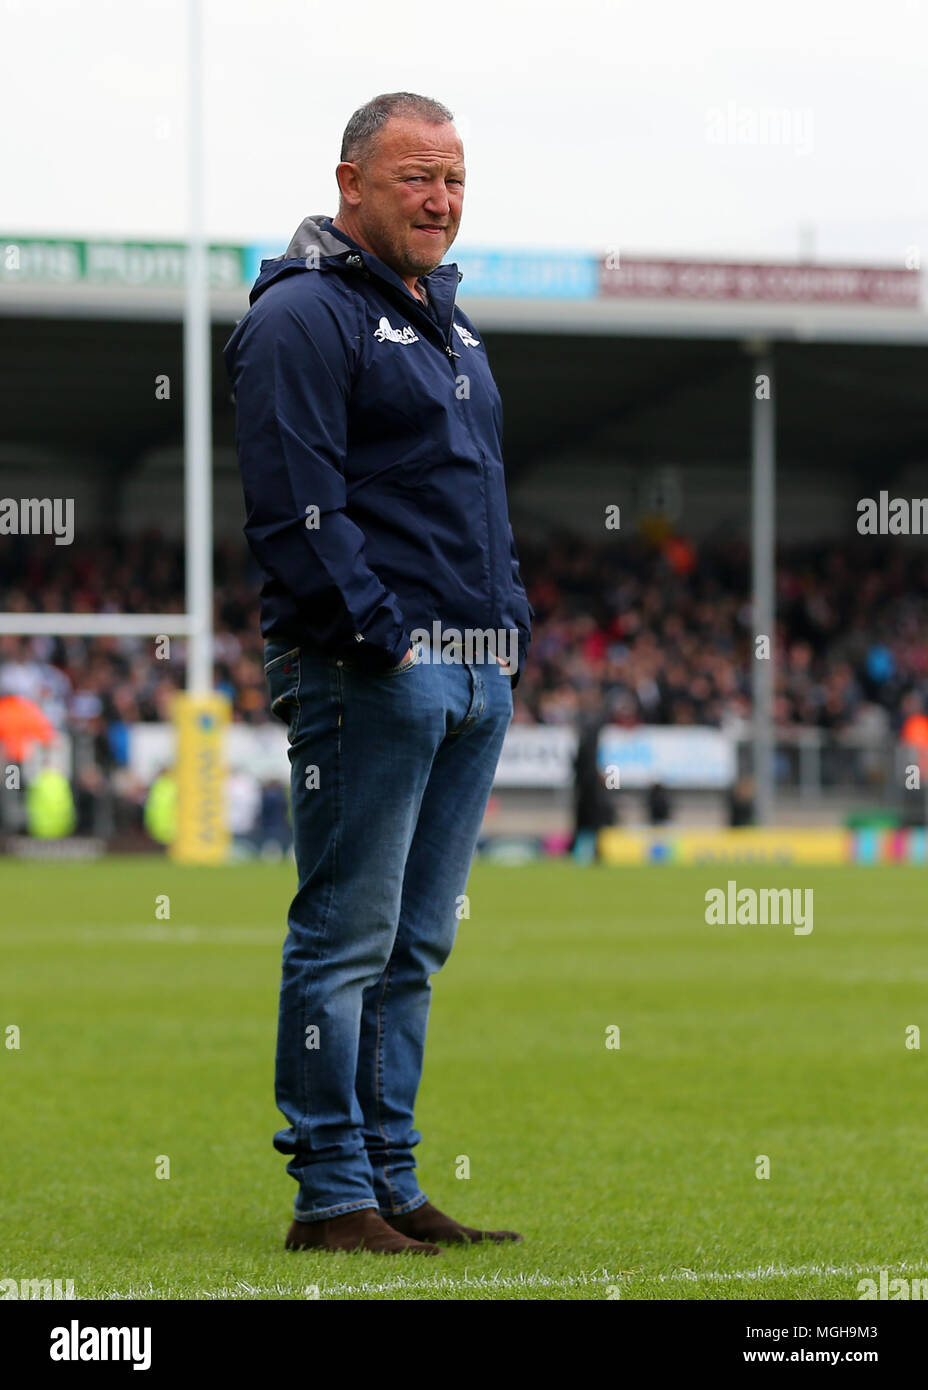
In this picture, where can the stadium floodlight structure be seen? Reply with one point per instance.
(763, 580)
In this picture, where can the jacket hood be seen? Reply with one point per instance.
(336, 250)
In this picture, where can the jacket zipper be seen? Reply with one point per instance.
(449, 351)
(448, 348)
(356, 261)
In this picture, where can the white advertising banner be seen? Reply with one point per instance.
(261, 749)
(700, 758)
(695, 757)
(537, 756)
(534, 755)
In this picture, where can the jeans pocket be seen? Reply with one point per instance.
(406, 664)
(283, 680)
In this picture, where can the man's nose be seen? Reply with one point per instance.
(438, 201)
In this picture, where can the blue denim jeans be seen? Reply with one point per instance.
(390, 776)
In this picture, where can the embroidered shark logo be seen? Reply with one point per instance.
(384, 333)
(465, 336)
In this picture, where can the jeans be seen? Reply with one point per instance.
(390, 777)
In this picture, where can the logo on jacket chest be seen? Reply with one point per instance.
(466, 337)
(385, 333)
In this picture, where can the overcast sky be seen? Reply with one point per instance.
(713, 128)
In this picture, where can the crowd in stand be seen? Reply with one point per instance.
(655, 632)
(664, 633)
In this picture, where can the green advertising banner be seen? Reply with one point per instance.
(131, 264)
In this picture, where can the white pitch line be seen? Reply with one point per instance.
(532, 1280)
(538, 1280)
(327, 1287)
(148, 932)
(775, 1272)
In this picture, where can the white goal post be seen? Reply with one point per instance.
(200, 715)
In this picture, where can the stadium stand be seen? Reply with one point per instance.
(660, 630)
(648, 632)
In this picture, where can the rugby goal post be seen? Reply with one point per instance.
(200, 715)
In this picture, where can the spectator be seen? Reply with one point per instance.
(276, 832)
(658, 630)
(741, 803)
(659, 805)
(243, 808)
(593, 804)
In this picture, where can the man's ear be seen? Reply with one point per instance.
(348, 177)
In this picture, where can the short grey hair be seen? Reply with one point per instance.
(362, 130)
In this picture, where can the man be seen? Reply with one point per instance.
(369, 442)
(594, 806)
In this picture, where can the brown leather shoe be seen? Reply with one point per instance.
(356, 1230)
(428, 1223)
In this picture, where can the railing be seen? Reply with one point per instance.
(820, 765)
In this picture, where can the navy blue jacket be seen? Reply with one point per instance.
(354, 398)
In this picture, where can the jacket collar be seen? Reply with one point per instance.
(335, 245)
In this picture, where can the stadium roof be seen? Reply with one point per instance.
(586, 357)
(639, 317)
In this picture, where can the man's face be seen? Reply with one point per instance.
(410, 194)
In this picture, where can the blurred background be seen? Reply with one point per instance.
(693, 243)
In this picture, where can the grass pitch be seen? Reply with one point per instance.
(631, 1171)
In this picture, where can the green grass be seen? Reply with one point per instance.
(630, 1170)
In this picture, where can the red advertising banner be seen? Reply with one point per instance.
(632, 278)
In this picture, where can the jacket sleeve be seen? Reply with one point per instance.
(291, 373)
(527, 613)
